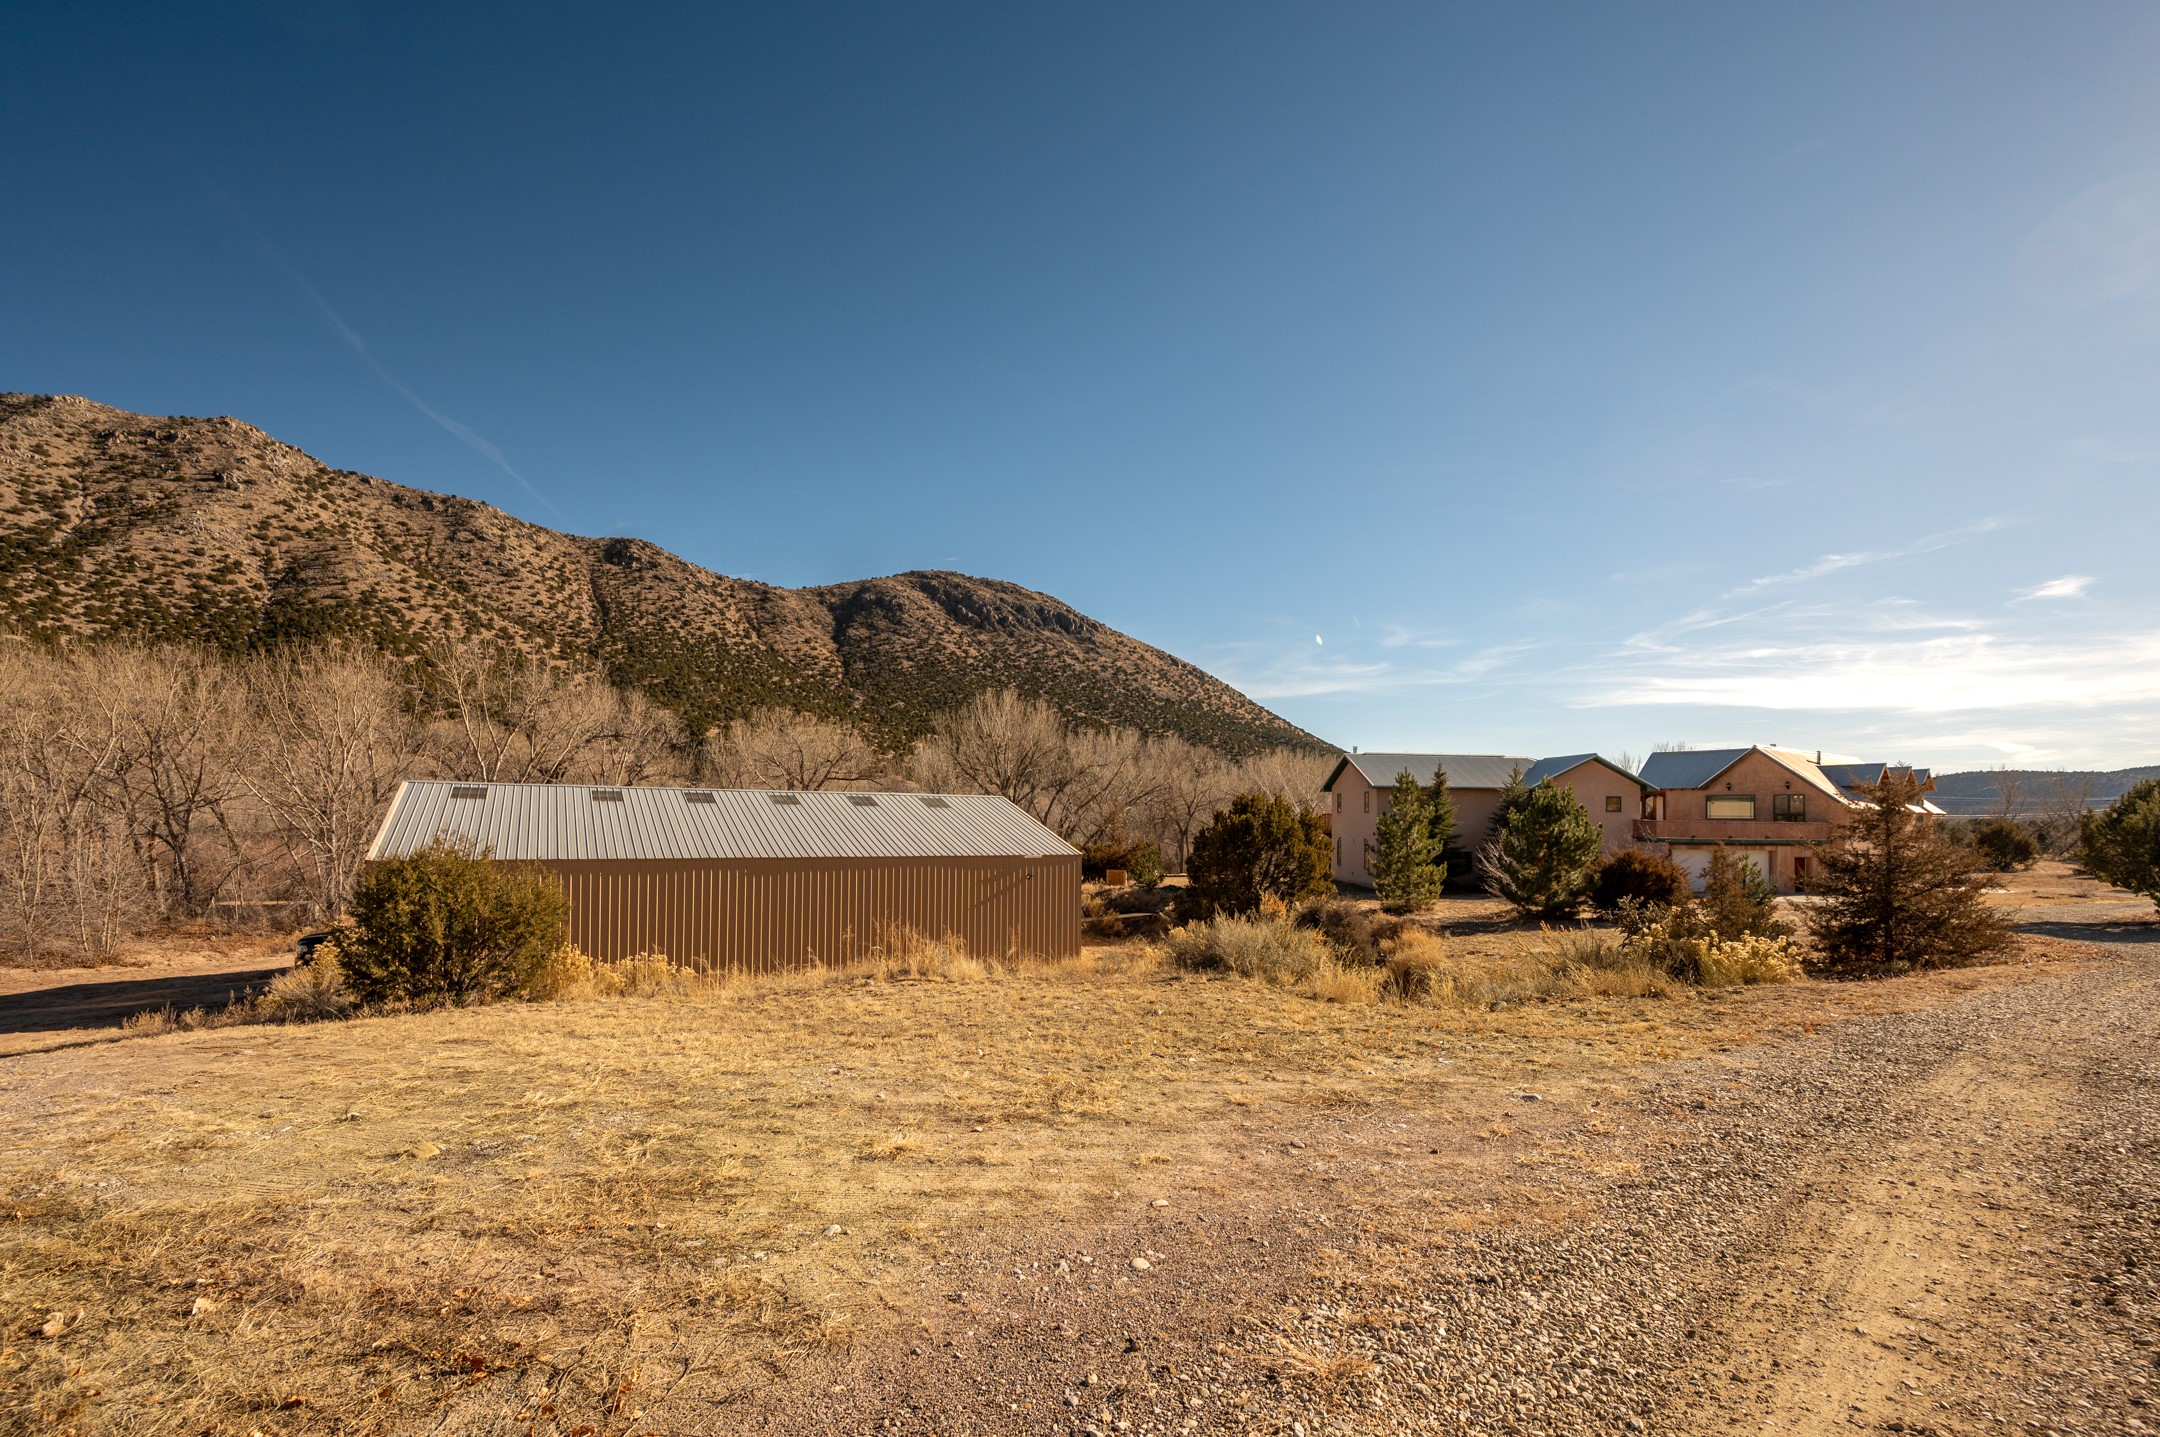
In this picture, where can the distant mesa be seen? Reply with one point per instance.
(210, 531)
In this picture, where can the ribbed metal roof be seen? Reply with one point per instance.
(1546, 768)
(1464, 770)
(1695, 768)
(564, 821)
(1689, 768)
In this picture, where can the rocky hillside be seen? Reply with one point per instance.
(210, 531)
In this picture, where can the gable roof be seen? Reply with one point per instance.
(1699, 768)
(1690, 768)
(1546, 768)
(1849, 775)
(564, 821)
(1464, 770)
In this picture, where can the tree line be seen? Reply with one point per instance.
(145, 786)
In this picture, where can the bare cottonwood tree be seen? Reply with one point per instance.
(2009, 792)
(1193, 784)
(1292, 774)
(332, 734)
(176, 716)
(506, 717)
(67, 872)
(2063, 801)
(779, 748)
(1077, 781)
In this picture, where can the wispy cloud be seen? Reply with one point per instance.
(2069, 586)
(1952, 672)
(463, 433)
(1832, 563)
(1303, 673)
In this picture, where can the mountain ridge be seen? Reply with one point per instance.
(1975, 793)
(209, 530)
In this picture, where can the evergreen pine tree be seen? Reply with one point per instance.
(1897, 894)
(1440, 821)
(1261, 846)
(1738, 901)
(1546, 855)
(2121, 844)
(1402, 855)
(1512, 794)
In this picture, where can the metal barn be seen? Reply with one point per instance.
(757, 880)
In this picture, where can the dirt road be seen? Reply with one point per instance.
(1940, 1221)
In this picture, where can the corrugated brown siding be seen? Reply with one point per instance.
(763, 914)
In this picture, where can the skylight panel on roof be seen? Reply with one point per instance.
(933, 801)
(787, 800)
(607, 795)
(698, 796)
(862, 800)
(469, 790)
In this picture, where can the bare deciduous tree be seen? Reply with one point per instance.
(779, 748)
(2009, 792)
(1079, 782)
(505, 717)
(333, 734)
(2063, 801)
(67, 871)
(1192, 785)
(176, 714)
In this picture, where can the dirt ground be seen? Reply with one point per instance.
(1107, 1198)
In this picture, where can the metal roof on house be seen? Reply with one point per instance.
(566, 821)
(1689, 768)
(1464, 770)
(1696, 768)
(1546, 768)
(1848, 775)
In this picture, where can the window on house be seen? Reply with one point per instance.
(1338, 803)
(1788, 807)
(1338, 851)
(1368, 800)
(1612, 803)
(1729, 805)
(1799, 870)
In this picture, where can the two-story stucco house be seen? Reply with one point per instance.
(1357, 792)
(1768, 804)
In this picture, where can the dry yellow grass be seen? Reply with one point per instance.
(579, 1213)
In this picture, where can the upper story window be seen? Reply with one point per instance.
(1729, 805)
(1788, 807)
(1368, 800)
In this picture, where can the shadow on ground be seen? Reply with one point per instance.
(2138, 932)
(106, 1005)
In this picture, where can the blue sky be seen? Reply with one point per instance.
(1520, 378)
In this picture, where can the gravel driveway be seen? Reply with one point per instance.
(1940, 1221)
